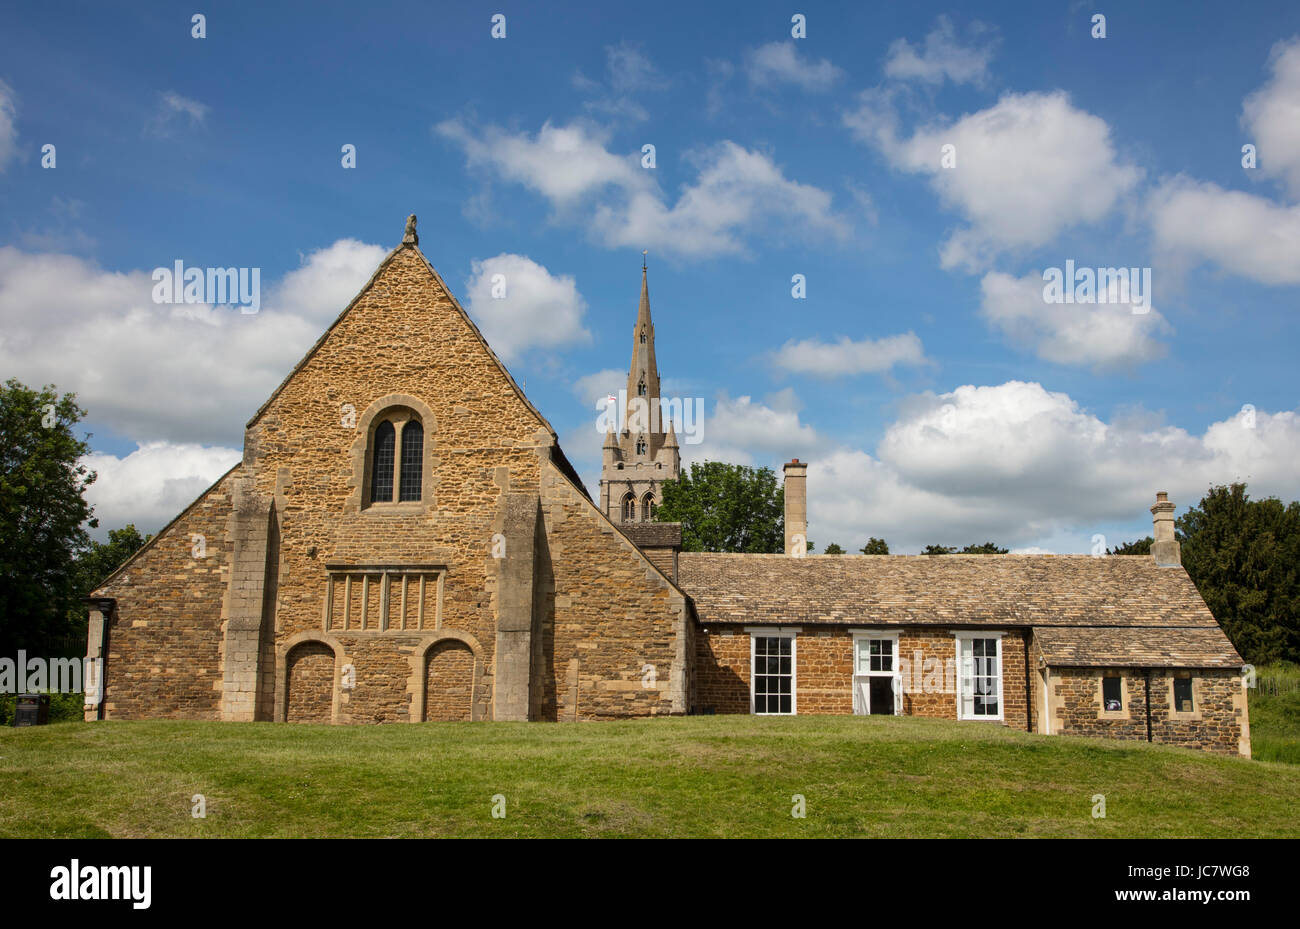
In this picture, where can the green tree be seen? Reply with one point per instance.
(726, 508)
(43, 515)
(97, 562)
(986, 548)
(1244, 556)
(833, 549)
(1140, 547)
(875, 546)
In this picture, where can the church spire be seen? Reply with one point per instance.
(644, 453)
(644, 431)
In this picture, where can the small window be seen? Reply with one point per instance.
(1112, 690)
(629, 508)
(381, 472)
(640, 446)
(773, 675)
(648, 508)
(643, 336)
(640, 388)
(1183, 694)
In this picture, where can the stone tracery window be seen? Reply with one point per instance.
(629, 508)
(640, 445)
(396, 458)
(648, 508)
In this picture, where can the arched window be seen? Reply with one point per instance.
(643, 336)
(640, 445)
(648, 508)
(640, 388)
(395, 459)
(412, 461)
(381, 470)
(629, 508)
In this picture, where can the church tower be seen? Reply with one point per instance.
(641, 448)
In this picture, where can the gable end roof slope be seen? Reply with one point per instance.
(560, 458)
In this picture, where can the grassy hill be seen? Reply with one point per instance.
(698, 776)
(1275, 714)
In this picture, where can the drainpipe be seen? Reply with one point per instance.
(1029, 715)
(105, 606)
(1146, 674)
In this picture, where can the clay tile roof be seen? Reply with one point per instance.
(951, 590)
(654, 535)
(1141, 647)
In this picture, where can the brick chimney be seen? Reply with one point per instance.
(796, 508)
(1165, 549)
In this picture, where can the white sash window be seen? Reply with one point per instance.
(979, 675)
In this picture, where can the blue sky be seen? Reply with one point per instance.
(958, 409)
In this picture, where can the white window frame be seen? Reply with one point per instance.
(962, 675)
(775, 632)
(866, 635)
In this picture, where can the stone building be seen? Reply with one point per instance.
(641, 450)
(404, 540)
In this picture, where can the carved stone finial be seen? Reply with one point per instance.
(411, 237)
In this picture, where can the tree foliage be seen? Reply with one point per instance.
(1244, 556)
(726, 508)
(875, 546)
(43, 515)
(833, 549)
(1140, 547)
(985, 548)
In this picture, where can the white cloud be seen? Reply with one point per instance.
(780, 63)
(944, 56)
(1195, 222)
(1272, 117)
(1013, 463)
(743, 430)
(1102, 335)
(845, 356)
(174, 109)
(539, 310)
(154, 483)
(1027, 169)
(8, 127)
(186, 372)
(562, 163)
(736, 191)
(628, 71)
(599, 384)
(1018, 464)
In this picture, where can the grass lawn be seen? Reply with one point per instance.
(1275, 714)
(696, 776)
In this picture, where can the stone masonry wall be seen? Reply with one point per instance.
(609, 631)
(824, 669)
(1215, 724)
(165, 637)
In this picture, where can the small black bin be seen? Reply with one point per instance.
(31, 709)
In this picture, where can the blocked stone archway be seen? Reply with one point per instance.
(308, 666)
(449, 681)
(447, 678)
